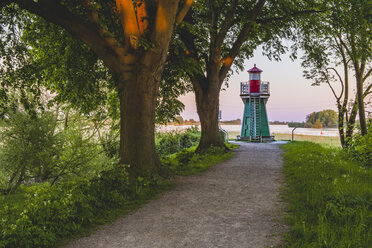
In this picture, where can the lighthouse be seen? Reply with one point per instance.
(255, 93)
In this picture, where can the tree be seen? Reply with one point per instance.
(219, 34)
(325, 118)
(131, 38)
(337, 41)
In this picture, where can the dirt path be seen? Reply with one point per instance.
(233, 204)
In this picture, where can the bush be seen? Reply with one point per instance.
(360, 148)
(46, 213)
(36, 149)
(173, 142)
(40, 215)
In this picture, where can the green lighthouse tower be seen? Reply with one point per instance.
(255, 93)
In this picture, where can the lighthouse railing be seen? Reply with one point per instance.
(245, 88)
(264, 88)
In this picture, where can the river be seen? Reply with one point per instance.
(234, 130)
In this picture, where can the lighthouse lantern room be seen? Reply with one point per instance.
(255, 93)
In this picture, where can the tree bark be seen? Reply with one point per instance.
(340, 124)
(207, 103)
(361, 109)
(138, 88)
(351, 124)
(137, 91)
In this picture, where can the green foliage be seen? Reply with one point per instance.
(40, 215)
(360, 149)
(325, 118)
(36, 54)
(296, 124)
(35, 149)
(172, 142)
(330, 198)
(188, 162)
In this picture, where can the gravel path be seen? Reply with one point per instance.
(233, 204)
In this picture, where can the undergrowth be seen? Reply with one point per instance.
(330, 198)
(41, 215)
(45, 215)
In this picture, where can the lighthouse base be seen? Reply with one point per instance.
(256, 139)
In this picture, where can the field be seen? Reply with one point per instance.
(323, 140)
(329, 198)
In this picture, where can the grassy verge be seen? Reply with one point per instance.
(330, 198)
(323, 140)
(189, 163)
(42, 216)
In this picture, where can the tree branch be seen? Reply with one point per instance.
(367, 74)
(242, 37)
(330, 86)
(368, 90)
(351, 55)
(164, 21)
(79, 28)
(104, 33)
(213, 24)
(142, 17)
(226, 24)
(183, 11)
(339, 78)
(129, 22)
(293, 14)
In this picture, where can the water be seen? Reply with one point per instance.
(235, 130)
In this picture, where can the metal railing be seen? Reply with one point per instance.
(245, 88)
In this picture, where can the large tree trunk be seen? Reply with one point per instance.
(138, 89)
(351, 124)
(362, 112)
(207, 104)
(135, 69)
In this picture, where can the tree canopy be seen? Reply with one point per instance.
(218, 36)
(338, 42)
(131, 40)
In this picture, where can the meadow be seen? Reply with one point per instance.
(331, 141)
(329, 197)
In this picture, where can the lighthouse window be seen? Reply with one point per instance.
(254, 76)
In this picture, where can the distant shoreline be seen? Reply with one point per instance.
(229, 124)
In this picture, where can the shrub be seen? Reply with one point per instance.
(35, 149)
(173, 142)
(40, 215)
(360, 148)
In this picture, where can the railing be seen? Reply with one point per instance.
(245, 88)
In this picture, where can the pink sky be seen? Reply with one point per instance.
(292, 96)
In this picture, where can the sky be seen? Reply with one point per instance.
(291, 95)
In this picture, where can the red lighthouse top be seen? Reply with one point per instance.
(254, 79)
(255, 70)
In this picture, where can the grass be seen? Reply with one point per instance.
(330, 198)
(323, 140)
(188, 162)
(114, 214)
